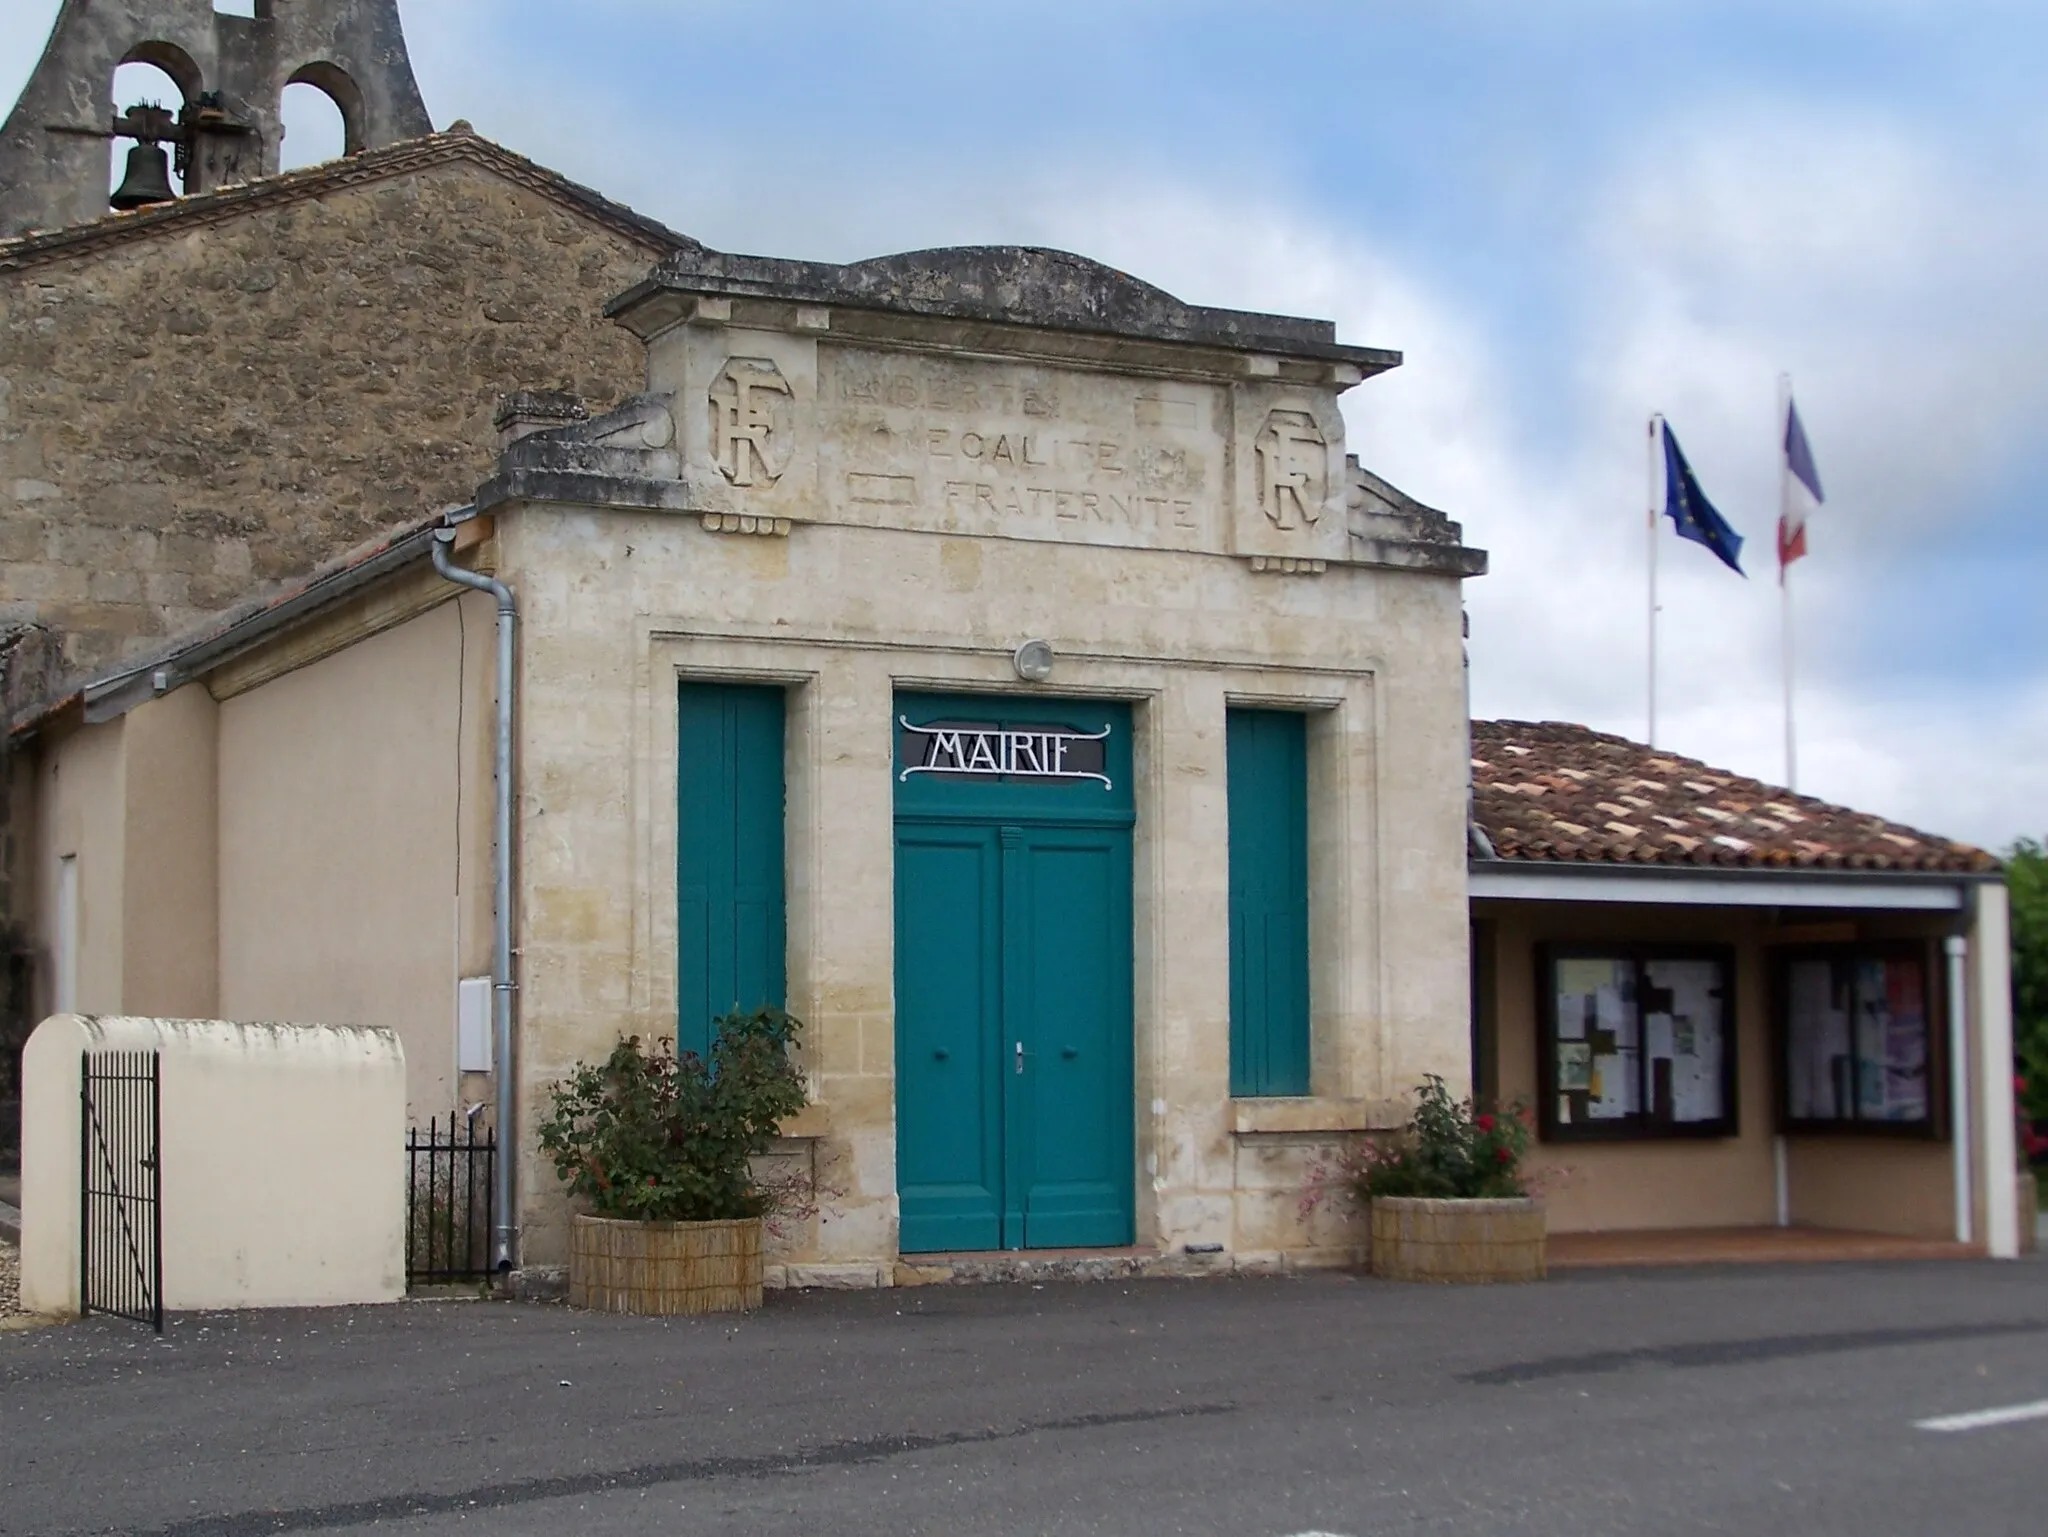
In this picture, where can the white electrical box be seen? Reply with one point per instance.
(473, 1025)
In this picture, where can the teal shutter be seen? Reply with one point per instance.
(1267, 763)
(729, 890)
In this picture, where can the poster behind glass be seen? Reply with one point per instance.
(1685, 1040)
(1856, 1040)
(1818, 1065)
(1598, 1071)
(1891, 1004)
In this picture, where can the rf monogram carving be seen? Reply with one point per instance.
(750, 421)
(1293, 469)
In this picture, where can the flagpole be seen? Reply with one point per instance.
(1650, 501)
(1781, 1156)
(1785, 577)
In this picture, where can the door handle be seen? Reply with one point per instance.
(1020, 1056)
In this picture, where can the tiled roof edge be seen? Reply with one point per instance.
(1589, 846)
(456, 145)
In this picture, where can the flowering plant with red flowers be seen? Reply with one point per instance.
(1447, 1151)
(653, 1135)
(2033, 1143)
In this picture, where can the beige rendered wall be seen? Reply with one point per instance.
(346, 786)
(81, 791)
(1873, 1185)
(1865, 1183)
(170, 928)
(283, 1162)
(133, 800)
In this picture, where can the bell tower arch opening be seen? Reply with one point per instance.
(233, 62)
(322, 115)
(153, 75)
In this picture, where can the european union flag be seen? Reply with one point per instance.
(1692, 514)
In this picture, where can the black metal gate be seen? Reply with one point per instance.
(121, 1187)
(448, 1202)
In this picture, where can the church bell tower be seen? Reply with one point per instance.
(232, 71)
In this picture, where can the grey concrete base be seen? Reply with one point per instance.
(537, 1283)
(982, 1270)
(1039, 1267)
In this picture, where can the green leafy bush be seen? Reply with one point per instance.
(1446, 1152)
(2026, 881)
(651, 1136)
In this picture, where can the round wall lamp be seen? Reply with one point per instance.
(1034, 661)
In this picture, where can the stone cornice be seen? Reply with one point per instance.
(1019, 301)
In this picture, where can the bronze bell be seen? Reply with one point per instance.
(148, 179)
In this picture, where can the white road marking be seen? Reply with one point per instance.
(1981, 1419)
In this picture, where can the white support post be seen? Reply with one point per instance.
(1781, 1178)
(1991, 985)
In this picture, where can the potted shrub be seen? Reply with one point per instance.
(661, 1147)
(1445, 1197)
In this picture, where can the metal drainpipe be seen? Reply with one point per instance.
(504, 1187)
(1962, 1151)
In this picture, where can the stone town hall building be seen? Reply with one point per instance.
(989, 655)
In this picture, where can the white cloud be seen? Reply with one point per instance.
(1895, 278)
(1893, 293)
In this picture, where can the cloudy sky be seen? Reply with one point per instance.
(1567, 215)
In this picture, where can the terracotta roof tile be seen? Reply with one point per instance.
(1552, 791)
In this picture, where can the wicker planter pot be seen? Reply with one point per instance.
(661, 1268)
(1421, 1240)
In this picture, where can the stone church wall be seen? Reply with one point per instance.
(204, 411)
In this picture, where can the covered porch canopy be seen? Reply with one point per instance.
(1733, 1007)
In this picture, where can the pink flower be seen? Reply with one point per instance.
(1503, 1155)
(1484, 1123)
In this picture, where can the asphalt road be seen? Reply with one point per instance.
(1758, 1401)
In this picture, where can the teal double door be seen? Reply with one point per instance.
(1014, 1097)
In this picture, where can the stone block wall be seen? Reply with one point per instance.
(206, 409)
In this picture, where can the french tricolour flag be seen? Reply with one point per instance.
(1799, 490)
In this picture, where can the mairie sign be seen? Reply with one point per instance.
(991, 751)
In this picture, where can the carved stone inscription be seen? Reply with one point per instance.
(1293, 469)
(750, 421)
(1031, 452)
